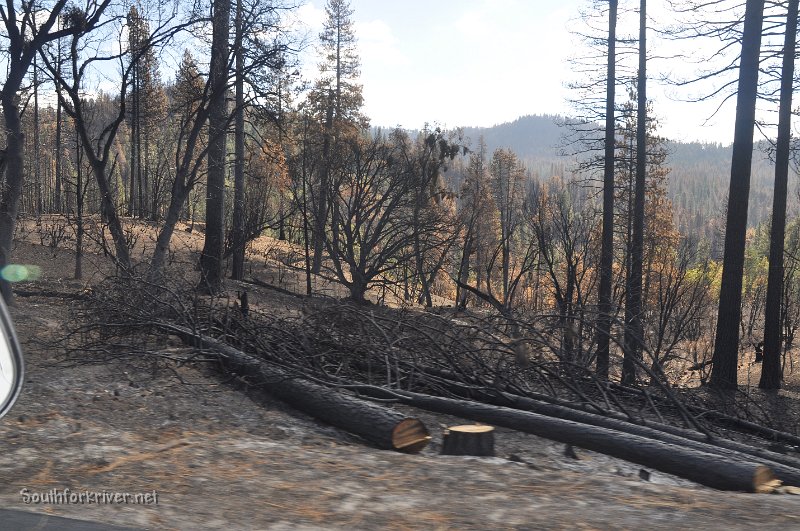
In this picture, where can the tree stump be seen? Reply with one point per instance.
(469, 439)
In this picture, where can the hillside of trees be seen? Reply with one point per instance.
(698, 176)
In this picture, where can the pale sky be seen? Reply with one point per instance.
(484, 62)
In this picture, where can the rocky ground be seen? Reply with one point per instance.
(221, 457)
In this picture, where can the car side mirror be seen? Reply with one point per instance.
(12, 365)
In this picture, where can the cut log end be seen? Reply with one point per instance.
(764, 481)
(410, 436)
(472, 428)
(469, 439)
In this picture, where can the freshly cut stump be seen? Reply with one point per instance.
(469, 439)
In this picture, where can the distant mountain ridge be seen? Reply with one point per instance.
(530, 137)
(699, 176)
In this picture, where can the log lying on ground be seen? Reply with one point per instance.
(258, 282)
(384, 427)
(785, 468)
(732, 422)
(710, 469)
(746, 426)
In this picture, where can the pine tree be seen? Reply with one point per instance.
(147, 104)
(771, 369)
(336, 101)
(338, 89)
(211, 257)
(726, 344)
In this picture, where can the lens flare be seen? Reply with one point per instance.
(20, 272)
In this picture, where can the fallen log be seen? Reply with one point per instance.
(260, 283)
(746, 426)
(386, 428)
(48, 293)
(785, 468)
(732, 422)
(710, 469)
(466, 382)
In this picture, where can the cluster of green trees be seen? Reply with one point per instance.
(237, 141)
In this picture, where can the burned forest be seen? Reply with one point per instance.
(218, 246)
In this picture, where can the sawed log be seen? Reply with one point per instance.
(386, 428)
(710, 469)
(786, 468)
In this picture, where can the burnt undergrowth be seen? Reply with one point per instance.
(465, 355)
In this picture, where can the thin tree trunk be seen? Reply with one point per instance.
(211, 258)
(109, 212)
(58, 205)
(463, 270)
(321, 214)
(607, 245)
(726, 345)
(132, 177)
(771, 368)
(79, 209)
(37, 166)
(178, 199)
(237, 265)
(138, 141)
(149, 196)
(281, 205)
(634, 330)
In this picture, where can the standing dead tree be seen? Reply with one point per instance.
(726, 344)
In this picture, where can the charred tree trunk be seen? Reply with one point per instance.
(771, 369)
(211, 257)
(237, 261)
(633, 328)
(786, 468)
(322, 207)
(180, 193)
(37, 165)
(726, 344)
(607, 245)
(58, 206)
(386, 428)
(463, 269)
(79, 197)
